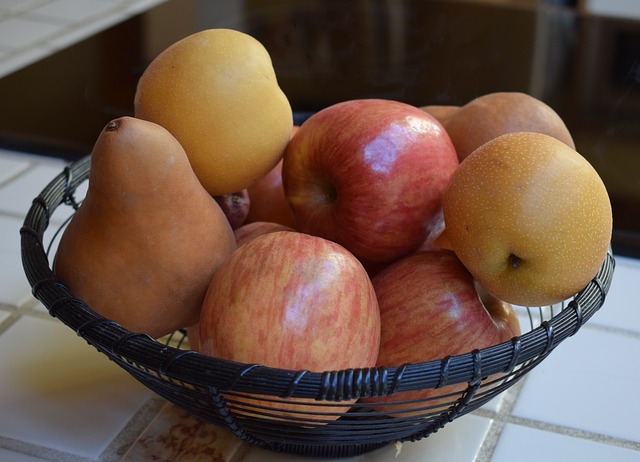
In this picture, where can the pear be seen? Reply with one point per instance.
(529, 217)
(216, 91)
(147, 239)
(491, 115)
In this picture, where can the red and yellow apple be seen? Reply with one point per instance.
(247, 233)
(268, 202)
(430, 309)
(293, 301)
(369, 175)
(529, 217)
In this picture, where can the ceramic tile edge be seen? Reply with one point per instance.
(614, 330)
(134, 428)
(32, 158)
(34, 308)
(22, 7)
(115, 448)
(574, 432)
(42, 452)
(84, 29)
(174, 429)
(10, 320)
(505, 416)
(19, 172)
(499, 419)
(71, 33)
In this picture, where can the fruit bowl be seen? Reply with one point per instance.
(333, 423)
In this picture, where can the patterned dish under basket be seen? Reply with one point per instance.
(214, 389)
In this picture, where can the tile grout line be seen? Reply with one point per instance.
(504, 416)
(35, 450)
(10, 320)
(134, 428)
(613, 330)
(66, 29)
(5, 181)
(498, 421)
(575, 432)
(114, 14)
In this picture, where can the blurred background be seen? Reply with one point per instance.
(582, 57)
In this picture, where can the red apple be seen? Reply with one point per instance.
(370, 175)
(235, 207)
(294, 301)
(250, 231)
(268, 202)
(193, 334)
(440, 242)
(429, 309)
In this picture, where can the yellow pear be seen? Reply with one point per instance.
(216, 91)
(147, 239)
(529, 217)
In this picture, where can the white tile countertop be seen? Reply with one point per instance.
(33, 29)
(60, 400)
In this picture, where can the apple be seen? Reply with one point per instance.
(193, 335)
(242, 234)
(235, 207)
(430, 308)
(293, 301)
(268, 202)
(250, 231)
(370, 175)
(529, 217)
(440, 242)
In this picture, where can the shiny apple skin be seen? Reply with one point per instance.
(248, 232)
(370, 175)
(430, 309)
(268, 202)
(293, 301)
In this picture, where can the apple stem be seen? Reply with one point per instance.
(514, 261)
(112, 126)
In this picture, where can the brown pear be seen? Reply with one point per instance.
(147, 239)
(489, 116)
(442, 113)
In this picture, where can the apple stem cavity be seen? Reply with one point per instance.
(330, 193)
(514, 261)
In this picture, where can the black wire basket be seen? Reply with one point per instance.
(334, 421)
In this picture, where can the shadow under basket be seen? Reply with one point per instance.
(334, 421)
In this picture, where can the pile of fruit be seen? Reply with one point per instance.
(375, 233)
